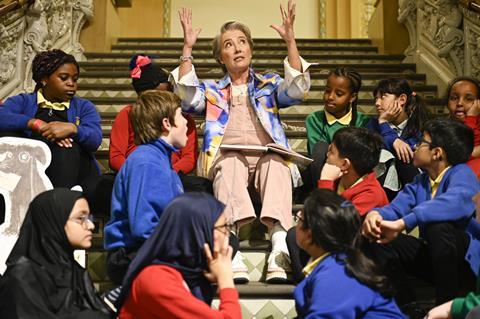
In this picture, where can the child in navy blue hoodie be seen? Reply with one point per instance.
(438, 201)
(340, 281)
(146, 183)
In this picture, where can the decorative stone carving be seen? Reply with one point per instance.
(43, 25)
(11, 29)
(407, 15)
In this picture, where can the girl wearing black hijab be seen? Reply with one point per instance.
(172, 272)
(42, 279)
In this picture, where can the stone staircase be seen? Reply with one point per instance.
(105, 81)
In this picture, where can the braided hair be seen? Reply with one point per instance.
(47, 62)
(335, 226)
(355, 80)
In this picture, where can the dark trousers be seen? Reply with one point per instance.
(298, 257)
(119, 259)
(406, 172)
(311, 174)
(438, 258)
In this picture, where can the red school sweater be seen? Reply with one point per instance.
(365, 195)
(122, 144)
(159, 291)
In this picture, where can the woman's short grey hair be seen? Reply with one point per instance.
(229, 26)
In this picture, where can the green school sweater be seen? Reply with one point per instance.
(462, 306)
(319, 130)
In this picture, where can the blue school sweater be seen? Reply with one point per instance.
(329, 292)
(17, 110)
(143, 187)
(452, 203)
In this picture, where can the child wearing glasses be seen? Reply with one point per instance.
(340, 281)
(438, 201)
(42, 279)
(351, 157)
(173, 273)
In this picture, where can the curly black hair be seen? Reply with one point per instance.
(47, 62)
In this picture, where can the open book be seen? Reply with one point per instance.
(290, 155)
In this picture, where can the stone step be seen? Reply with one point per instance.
(115, 104)
(372, 66)
(258, 57)
(202, 40)
(264, 307)
(317, 79)
(278, 51)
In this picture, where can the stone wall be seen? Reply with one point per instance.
(444, 38)
(30, 29)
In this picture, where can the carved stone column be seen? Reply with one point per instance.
(472, 43)
(407, 15)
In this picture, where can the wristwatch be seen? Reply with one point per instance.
(186, 58)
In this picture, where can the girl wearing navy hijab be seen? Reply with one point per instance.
(172, 273)
(42, 279)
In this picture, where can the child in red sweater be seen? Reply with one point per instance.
(147, 76)
(463, 95)
(351, 157)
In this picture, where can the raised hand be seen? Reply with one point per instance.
(189, 34)
(474, 110)
(403, 150)
(288, 17)
(330, 172)
(220, 264)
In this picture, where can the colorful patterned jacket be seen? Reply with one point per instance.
(267, 93)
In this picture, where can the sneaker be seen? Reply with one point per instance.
(240, 270)
(110, 298)
(279, 269)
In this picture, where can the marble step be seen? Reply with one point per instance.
(115, 104)
(277, 51)
(203, 40)
(316, 91)
(258, 57)
(123, 77)
(371, 65)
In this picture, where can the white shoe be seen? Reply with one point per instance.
(279, 268)
(240, 270)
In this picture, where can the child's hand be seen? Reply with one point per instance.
(390, 113)
(330, 172)
(55, 131)
(403, 150)
(474, 110)
(371, 226)
(440, 312)
(476, 200)
(66, 142)
(220, 264)
(286, 29)
(390, 230)
(189, 35)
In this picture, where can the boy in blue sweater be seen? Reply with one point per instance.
(438, 201)
(146, 183)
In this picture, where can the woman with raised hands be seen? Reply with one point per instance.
(242, 109)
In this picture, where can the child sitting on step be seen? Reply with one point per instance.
(463, 95)
(351, 157)
(340, 110)
(340, 281)
(69, 125)
(146, 182)
(439, 201)
(401, 116)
